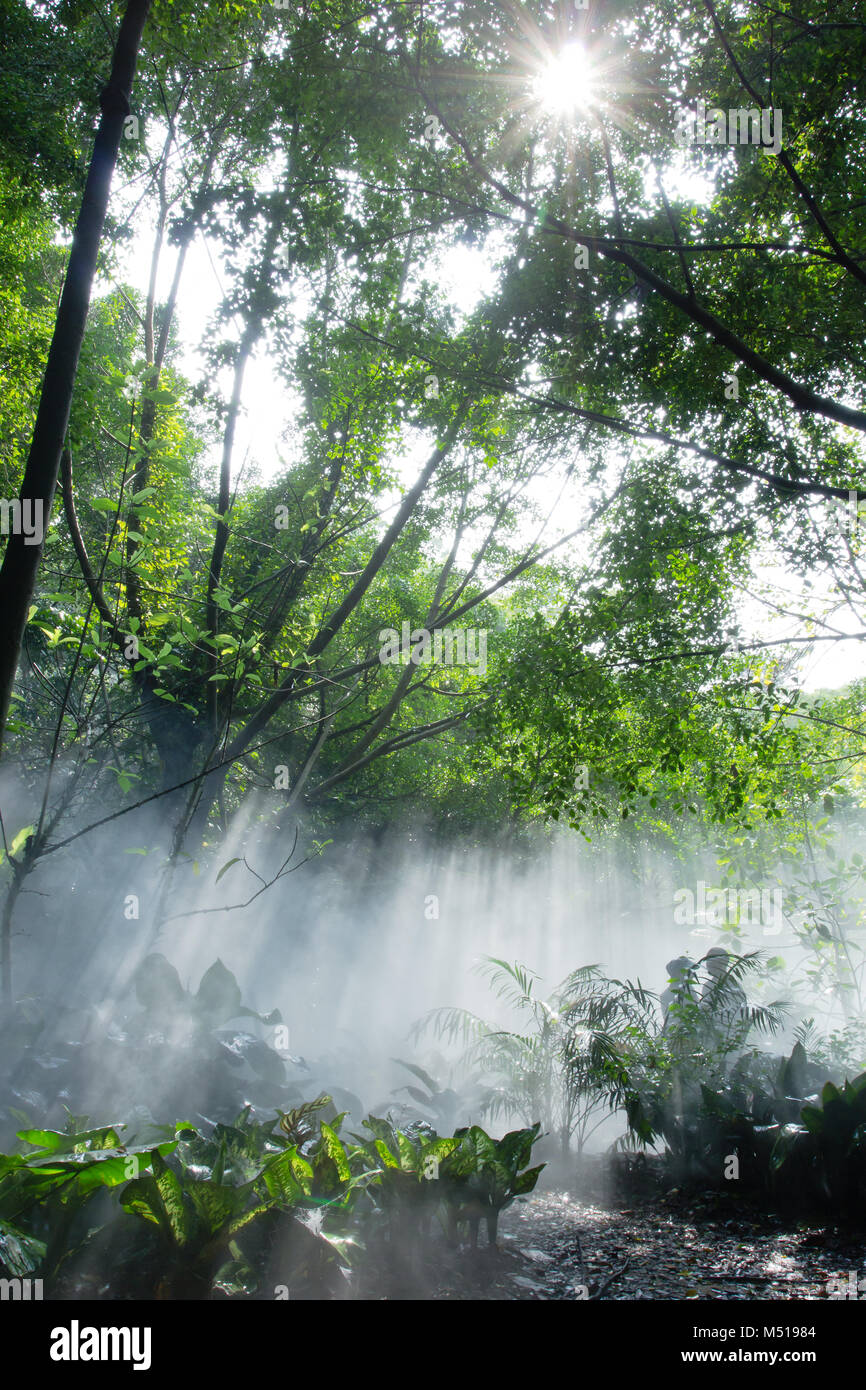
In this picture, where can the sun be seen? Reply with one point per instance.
(566, 82)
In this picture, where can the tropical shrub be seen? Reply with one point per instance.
(565, 1064)
(237, 1210)
(44, 1193)
(824, 1154)
(681, 1080)
(171, 1044)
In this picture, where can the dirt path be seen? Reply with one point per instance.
(707, 1247)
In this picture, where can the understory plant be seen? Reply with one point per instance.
(162, 1040)
(787, 1128)
(671, 1069)
(563, 1061)
(239, 1210)
(47, 1193)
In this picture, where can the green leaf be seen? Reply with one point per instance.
(515, 1149)
(226, 867)
(282, 1180)
(389, 1160)
(176, 1216)
(42, 1138)
(525, 1182)
(407, 1152)
(332, 1145)
(21, 838)
(214, 1202)
(246, 1218)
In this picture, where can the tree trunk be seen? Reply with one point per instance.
(12, 894)
(21, 561)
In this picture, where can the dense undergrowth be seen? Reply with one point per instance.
(282, 1208)
(277, 1189)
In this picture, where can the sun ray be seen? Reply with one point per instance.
(566, 82)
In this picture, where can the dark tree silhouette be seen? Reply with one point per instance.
(21, 561)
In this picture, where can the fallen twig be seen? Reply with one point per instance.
(609, 1280)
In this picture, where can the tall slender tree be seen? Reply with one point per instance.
(23, 554)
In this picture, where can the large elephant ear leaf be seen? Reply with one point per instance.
(421, 1074)
(219, 995)
(794, 1072)
(157, 985)
(417, 1094)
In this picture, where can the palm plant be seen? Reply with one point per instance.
(670, 1071)
(567, 1063)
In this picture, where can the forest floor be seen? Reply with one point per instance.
(702, 1245)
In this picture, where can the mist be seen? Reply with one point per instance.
(357, 941)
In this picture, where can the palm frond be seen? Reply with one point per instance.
(511, 981)
(767, 1018)
(452, 1024)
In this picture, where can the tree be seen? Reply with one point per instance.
(23, 554)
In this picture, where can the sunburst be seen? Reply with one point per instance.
(566, 82)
